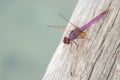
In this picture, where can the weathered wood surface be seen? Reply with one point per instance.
(100, 60)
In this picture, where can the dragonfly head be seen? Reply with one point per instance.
(66, 40)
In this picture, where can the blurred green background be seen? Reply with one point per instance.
(26, 44)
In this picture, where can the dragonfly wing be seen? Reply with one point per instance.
(57, 27)
(83, 46)
(75, 26)
(63, 28)
(84, 27)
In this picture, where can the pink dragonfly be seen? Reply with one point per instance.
(78, 32)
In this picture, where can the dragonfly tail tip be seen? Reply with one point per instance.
(106, 11)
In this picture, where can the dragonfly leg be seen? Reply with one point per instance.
(71, 46)
(83, 38)
(87, 39)
(76, 44)
(71, 43)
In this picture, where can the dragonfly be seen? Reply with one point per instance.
(79, 32)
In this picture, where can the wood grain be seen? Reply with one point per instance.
(100, 59)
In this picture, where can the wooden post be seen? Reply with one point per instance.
(100, 60)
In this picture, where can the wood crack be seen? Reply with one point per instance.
(94, 65)
(117, 50)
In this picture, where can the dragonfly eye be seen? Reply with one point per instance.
(66, 40)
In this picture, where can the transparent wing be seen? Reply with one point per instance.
(84, 27)
(57, 27)
(63, 28)
(75, 26)
(83, 46)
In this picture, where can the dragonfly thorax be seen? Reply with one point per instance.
(82, 34)
(74, 34)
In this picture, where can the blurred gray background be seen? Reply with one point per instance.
(26, 44)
